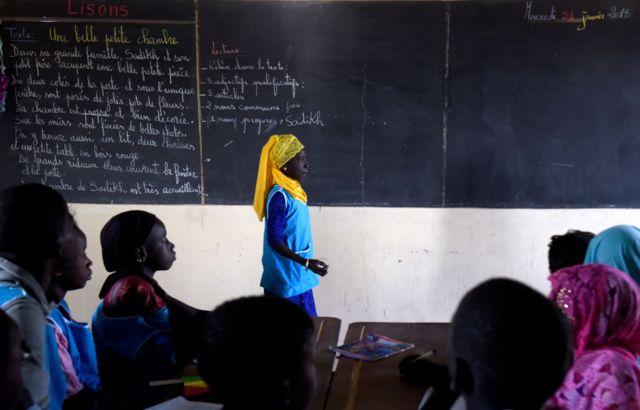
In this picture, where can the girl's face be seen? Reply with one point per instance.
(76, 267)
(160, 251)
(298, 167)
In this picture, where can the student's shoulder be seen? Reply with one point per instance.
(606, 366)
(30, 317)
(279, 193)
(277, 189)
(132, 280)
(277, 197)
(28, 314)
(132, 295)
(130, 284)
(20, 303)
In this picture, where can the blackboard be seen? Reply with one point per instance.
(361, 84)
(103, 110)
(544, 102)
(512, 104)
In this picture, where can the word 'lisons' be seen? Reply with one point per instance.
(90, 9)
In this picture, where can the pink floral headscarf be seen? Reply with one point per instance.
(603, 306)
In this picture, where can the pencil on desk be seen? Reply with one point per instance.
(155, 383)
(423, 356)
(425, 398)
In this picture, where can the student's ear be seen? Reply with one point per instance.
(52, 245)
(462, 377)
(140, 254)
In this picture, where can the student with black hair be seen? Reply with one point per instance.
(141, 333)
(510, 347)
(568, 249)
(37, 238)
(77, 366)
(258, 353)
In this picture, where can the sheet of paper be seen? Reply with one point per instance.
(180, 403)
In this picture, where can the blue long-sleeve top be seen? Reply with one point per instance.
(276, 220)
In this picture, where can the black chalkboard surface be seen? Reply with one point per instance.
(505, 104)
(544, 105)
(359, 83)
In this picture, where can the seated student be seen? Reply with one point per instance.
(510, 347)
(568, 249)
(12, 394)
(258, 353)
(618, 247)
(603, 306)
(37, 237)
(141, 333)
(76, 366)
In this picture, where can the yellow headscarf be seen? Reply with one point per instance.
(275, 153)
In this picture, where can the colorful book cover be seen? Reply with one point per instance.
(194, 386)
(373, 347)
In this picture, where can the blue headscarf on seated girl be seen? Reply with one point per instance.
(618, 247)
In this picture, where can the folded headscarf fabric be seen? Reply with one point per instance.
(122, 235)
(603, 306)
(278, 150)
(618, 246)
(74, 385)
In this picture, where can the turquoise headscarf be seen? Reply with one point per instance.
(619, 247)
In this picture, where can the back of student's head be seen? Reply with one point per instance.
(31, 217)
(568, 249)
(510, 346)
(10, 361)
(258, 351)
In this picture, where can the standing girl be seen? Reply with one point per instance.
(289, 270)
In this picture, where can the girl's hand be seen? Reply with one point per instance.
(318, 267)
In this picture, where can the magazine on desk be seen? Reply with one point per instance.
(373, 347)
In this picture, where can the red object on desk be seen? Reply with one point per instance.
(194, 386)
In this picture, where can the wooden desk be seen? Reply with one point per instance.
(327, 330)
(377, 385)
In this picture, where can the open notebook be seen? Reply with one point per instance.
(373, 347)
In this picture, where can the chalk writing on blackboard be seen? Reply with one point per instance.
(252, 94)
(582, 18)
(104, 108)
(86, 8)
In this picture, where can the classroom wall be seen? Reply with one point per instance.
(386, 264)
